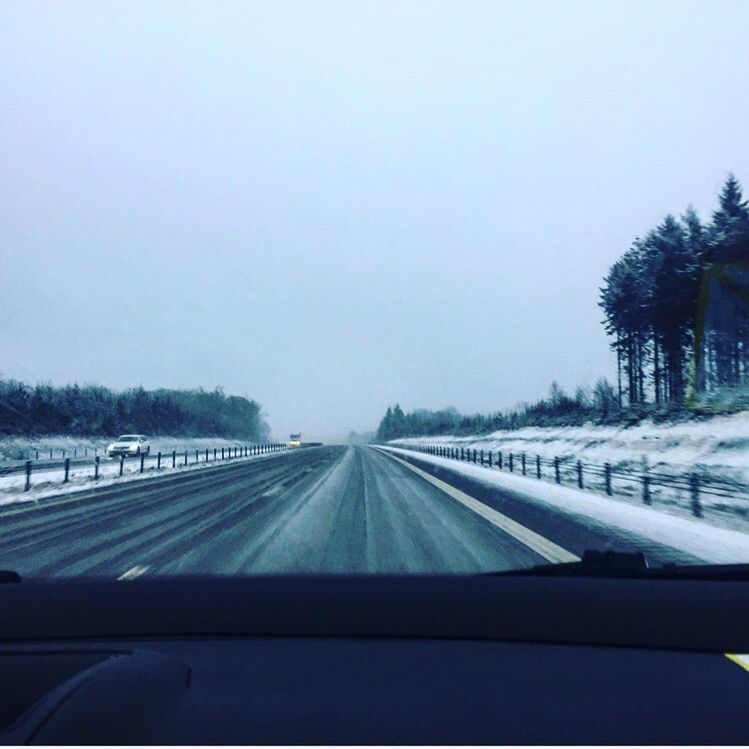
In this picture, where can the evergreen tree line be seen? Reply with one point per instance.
(559, 409)
(676, 307)
(98, 411)
(659, 304)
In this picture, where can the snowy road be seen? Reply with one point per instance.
(329, 509)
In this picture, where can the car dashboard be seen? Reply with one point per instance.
(358, 660)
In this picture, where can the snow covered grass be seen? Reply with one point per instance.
(716, 545)
(24, 448)
(719, 443)
(715, 447)
(49, 483)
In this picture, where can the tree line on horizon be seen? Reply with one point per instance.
(93, 410)
(676, 306)
(559, 409)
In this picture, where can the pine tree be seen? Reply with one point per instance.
(729, 232)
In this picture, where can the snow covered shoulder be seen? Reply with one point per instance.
(693, 537)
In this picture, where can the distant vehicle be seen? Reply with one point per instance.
(295, 440)
(129, 445)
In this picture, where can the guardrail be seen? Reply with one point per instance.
(695, 485)
(173, 459)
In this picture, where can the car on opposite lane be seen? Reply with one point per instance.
(129, 445)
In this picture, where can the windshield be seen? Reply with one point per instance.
(412, 288)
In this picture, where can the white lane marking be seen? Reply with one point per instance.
(134, 572)
(273, 491)
(542, 546)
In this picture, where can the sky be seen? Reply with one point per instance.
(331, 207)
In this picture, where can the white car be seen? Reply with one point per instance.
(129, 445)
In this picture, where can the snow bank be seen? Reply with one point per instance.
(719, 444)
(717, 448)
(692, 536)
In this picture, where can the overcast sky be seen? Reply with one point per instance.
(331, 207)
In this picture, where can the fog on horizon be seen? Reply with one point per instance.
(331, 207)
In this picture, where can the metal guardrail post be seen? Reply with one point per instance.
(142, 461)
(158, 461)
(67, 470)
(499, 460)
(482, 457)
(522, 462)
(490, 458)
(197, 459)
(646, 498)
(694, 490)
(557, 476)
(222, 454)
(509, 462)
(607, 477)
(538, 466)
(580, 475)
(185, 457)
(206, 455)
(174, 458)
(96, 467)
(122, 464)
(215, 450)
(27, 485)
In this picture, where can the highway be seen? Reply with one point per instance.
(331, 509)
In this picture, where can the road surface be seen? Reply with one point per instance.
(330, 509)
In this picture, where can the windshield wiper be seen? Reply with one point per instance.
(595, 563)
(9, 576)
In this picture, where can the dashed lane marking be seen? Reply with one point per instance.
(534, 541)
(134, 572)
